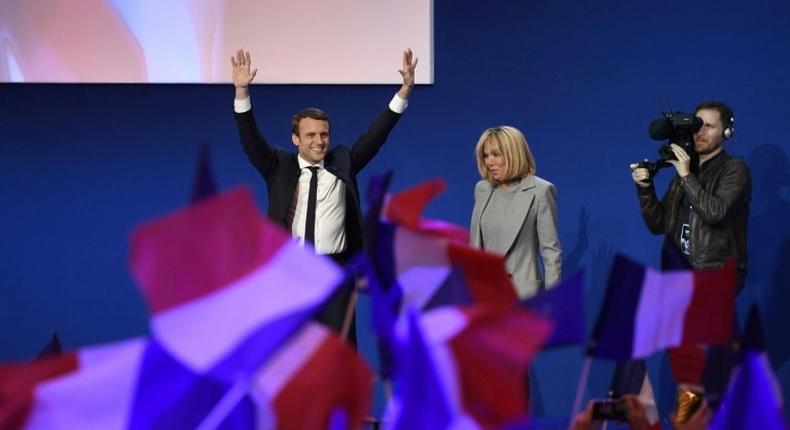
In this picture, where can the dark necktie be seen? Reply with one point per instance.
(309, 226)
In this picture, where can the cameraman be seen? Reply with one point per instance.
(706, 208)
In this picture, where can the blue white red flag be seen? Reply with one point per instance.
(563, 305)
(226, 289)
(754, 397)
(465, 368)
(428, 261)
(646, 310)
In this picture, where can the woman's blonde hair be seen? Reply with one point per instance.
(519, 161)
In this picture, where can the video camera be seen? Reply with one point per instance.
(674, 127)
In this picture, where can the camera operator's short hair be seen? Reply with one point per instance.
(313, 113)
(514, 148)
(725, 111)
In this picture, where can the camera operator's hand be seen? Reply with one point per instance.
(682, 162)
(640, 175)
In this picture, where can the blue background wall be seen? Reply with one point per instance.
(81, 165)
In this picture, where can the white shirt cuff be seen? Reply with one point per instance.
(398, 105)
(241, 106)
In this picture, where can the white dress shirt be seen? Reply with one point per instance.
(330, 209)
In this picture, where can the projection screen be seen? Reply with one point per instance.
(191, 41)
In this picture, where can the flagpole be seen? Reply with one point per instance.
(351, 308)
(226, 404)
(585, 374)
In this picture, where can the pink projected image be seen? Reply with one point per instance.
(342, 41)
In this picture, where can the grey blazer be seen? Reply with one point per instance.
(530, 231)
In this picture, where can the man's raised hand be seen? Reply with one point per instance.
(242, 75)
(407, 72)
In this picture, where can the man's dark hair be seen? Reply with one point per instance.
(725, 111)
(313, 113)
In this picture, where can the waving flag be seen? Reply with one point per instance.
(428, 260)
(466, 368)
(646, 310)
(226, 288)
(416, 263)
(219, 278)
(18, 382)
(754, 398)
(563, 305)
(315, 381)
(92, 388)
(431, 271)
(405, 209)
(420, 401)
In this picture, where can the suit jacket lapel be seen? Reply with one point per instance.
(477, 215)
(519, 208)
(332, 163)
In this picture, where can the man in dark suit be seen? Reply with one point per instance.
(314, 193)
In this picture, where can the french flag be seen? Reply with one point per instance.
(754, 396)
(89, 388)
(405, 209)
(646, 310)
(226, 289)
(314, 381)
(428, 261)
(465, 368)
(433, 271)
(224, 285)
(563, 305)
(421, 264)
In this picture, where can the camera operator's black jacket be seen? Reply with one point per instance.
(720, 197)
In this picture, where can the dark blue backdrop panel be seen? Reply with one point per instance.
(81, 165)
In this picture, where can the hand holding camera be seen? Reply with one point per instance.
(642, 173)
(681, 160)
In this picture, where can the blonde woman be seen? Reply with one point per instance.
(515, 212)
